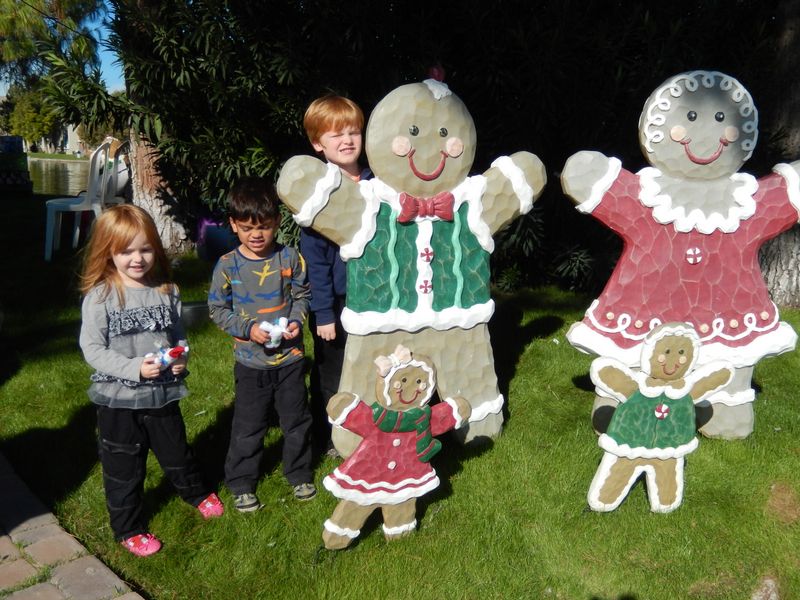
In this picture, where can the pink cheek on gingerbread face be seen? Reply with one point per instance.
(731, 133)
(677, 133)
(661, 358)
(682, 360)
(454, 147)
(401, 145)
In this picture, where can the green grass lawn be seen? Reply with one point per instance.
(510, 519)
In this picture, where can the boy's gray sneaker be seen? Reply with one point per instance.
(305, 491)
(246, 502)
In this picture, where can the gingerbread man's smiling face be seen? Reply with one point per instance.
(421, 139)
(699, 125)
(409, 386)
(671, 358)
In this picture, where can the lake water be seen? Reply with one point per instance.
(67, 177)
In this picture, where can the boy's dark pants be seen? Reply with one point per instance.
(257, 390)
(124, 437)
(325, 374)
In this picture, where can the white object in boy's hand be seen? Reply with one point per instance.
(165, 355)
(275, 330)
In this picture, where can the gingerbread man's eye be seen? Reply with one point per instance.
(443, 132)
(413, 130)
(419, 381)
(720, 116)
(404, 379)
(666, 351)
(681, 351)
(691, 115)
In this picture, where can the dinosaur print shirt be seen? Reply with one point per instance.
(245, 291)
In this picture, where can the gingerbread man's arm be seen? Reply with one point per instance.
(322, 198)
(338, 403)
(613, 377)
(710, 383)
(587, 175)
(513, 184)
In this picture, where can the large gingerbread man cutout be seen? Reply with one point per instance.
(417, 240)
(692, 225)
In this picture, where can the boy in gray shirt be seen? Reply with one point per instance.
(259, 281)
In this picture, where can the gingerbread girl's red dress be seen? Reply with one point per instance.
(385, 468)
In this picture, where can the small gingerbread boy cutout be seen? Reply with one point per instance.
(653, 428)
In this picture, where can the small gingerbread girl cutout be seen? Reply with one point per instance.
(391, 466)
(653, 429)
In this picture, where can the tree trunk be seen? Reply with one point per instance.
(780, 262)
(779, 257)
(151, 193)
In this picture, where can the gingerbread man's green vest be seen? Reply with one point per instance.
(635, 422)
(384, 277)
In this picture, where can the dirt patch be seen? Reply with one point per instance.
(722, 587)
(783, 503)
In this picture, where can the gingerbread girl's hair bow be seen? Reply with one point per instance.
(400, 356)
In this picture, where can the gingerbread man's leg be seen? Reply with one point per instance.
(612, 481)
(665, 484)
(399, 519)
(345, 524)
(465, 366)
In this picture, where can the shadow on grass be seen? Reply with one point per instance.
(509, 339)
(210, 447)
(55, 462)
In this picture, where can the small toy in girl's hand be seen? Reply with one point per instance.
(275, 330)
(165, 355)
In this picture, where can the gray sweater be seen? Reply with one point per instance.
(114, 340)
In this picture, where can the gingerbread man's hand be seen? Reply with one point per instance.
(710, 383)
(513, 184)
(322, 198)
(338, 403)
(615, 378)
(464, 409)
(582, 171)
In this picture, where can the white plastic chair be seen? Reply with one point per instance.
(91, 200)
(118, 177)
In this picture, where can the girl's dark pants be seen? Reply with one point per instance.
(125, 436)
(257, 391)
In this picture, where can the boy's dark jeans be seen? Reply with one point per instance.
(257, 390)
(325, 375)
(124, 437)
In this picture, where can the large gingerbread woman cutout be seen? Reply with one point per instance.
(692, 225)
(417, 240)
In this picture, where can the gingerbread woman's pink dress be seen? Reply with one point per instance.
(674, 269)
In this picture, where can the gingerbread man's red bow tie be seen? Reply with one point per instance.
(440, 205)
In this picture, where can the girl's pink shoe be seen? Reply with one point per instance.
(143, 544)
(211, 507)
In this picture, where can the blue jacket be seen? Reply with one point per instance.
(327, 274)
